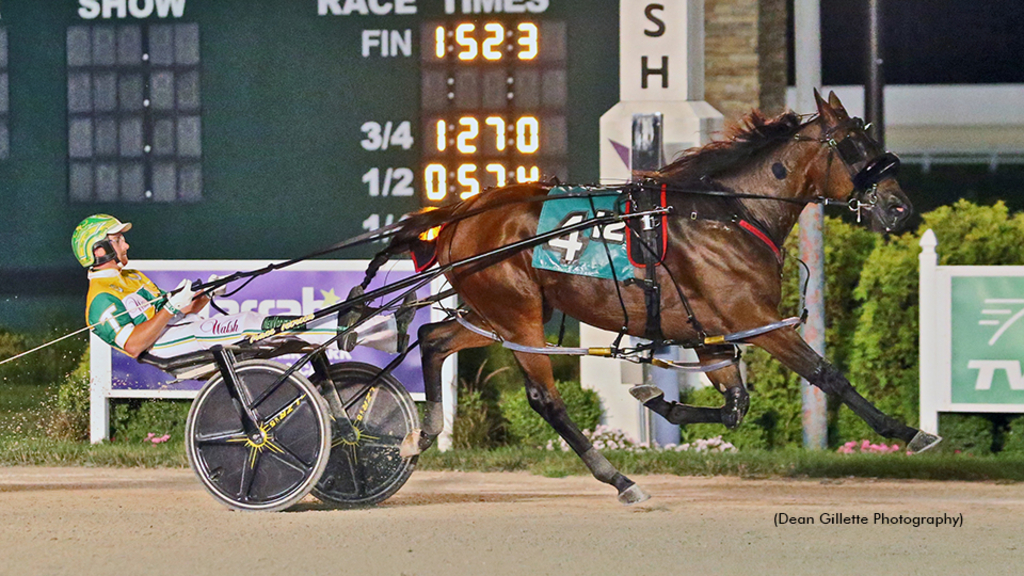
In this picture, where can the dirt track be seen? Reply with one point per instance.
(120, 522)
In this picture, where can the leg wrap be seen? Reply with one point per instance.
(677, 413)
(433, 422)
(831, 381)
(603, 470)
(684, 414)
(599, 466)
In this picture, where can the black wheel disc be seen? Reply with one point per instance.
(365, 468)
(273, 469)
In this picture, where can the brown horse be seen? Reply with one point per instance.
(729, 275)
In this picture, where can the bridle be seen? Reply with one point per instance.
(865, 160)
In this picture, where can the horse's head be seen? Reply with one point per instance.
(858, 169)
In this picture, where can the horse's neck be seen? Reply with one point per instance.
(761, 179)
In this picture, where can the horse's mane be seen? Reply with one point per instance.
(744, 140)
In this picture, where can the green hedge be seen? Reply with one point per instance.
(884, 357)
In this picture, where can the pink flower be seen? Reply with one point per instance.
(151, 437)
(865, 445)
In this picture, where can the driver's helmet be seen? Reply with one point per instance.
(93, 231)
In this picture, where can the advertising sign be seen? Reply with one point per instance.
(971, 337)
(988, 340)
(300, 289)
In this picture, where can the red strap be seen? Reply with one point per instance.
(664, 225)
(762, 237)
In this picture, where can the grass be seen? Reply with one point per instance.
(750, 464)
(46, 452)
(21, 451)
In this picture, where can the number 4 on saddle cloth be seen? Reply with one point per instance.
(597, 251)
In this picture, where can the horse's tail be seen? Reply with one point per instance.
(408, 237)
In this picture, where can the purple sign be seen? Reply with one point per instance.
(295, 291)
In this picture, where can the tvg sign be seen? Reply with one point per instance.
(987, 339)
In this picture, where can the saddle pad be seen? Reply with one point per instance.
(582, 252)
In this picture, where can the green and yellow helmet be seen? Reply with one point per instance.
(92, 232)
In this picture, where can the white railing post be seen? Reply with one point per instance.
(99, 389)
(928, 334)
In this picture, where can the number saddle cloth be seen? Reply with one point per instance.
(597, 251)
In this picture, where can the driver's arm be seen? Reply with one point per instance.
(144, 335)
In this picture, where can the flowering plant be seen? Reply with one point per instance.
(151, 437)
(866, 447)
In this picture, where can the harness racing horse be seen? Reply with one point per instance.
(717, 276)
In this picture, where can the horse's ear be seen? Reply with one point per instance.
(836, 105)
(824, 110)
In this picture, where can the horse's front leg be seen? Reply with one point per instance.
(787, 347)
(727, 380)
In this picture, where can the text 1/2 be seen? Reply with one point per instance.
(393, 182)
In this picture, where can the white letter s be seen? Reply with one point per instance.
(89, 9)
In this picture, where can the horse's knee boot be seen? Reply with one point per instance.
(737, 401)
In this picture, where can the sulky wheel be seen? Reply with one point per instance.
(365, 467)
(277, 461)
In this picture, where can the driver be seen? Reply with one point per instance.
(129, 312)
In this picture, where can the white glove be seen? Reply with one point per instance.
(180, 298)
(218, 291)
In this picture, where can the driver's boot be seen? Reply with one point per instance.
(403, 318)
(346, 319)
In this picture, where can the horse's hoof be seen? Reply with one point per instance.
(633, 495)
(737, 401)
(646, 392)
(411, 444)
(923, 441)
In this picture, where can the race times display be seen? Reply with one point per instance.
(287, 124)
(493, 105)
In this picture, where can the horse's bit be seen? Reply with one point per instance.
(865, 160)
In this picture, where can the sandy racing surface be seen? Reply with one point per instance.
(126, 522)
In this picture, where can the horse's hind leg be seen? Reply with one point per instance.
(437, 342)
(727, 380)
(787, 347)
(546, 401)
